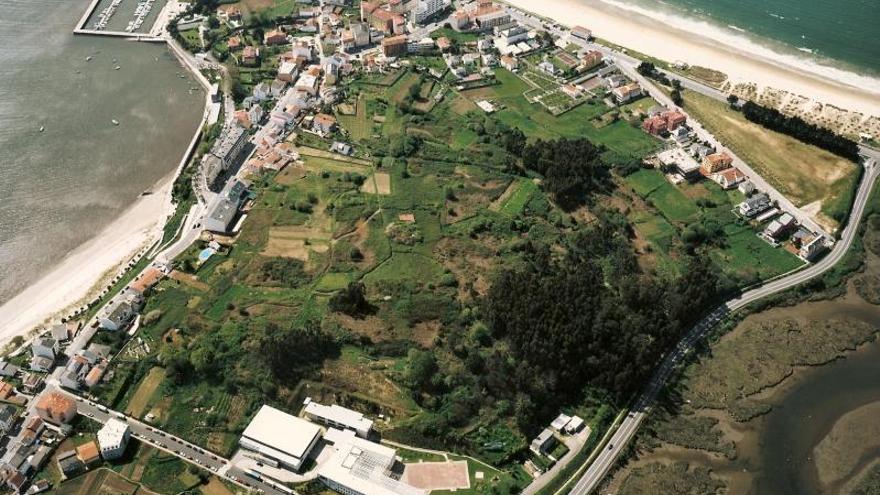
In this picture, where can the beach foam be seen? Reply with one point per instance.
(738, 39)
(697, 42)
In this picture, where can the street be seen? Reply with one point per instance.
(176, 446)
(597, 470)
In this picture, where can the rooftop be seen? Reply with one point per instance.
(282, 432)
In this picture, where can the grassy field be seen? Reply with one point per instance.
(145, 392)
(742, 253)
(809, 176)
(619, 137)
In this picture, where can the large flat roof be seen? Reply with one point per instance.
(281, 431)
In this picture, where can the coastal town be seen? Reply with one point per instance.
(339, 138)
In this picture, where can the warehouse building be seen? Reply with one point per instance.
(280, 437)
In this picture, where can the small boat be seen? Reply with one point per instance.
(89, 58)
(117, 68)
(42, 128)
(115, 122)
(146, 193)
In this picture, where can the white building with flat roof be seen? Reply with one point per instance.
(113, 438)
(281, 437)
(339, 417)
(361, 467)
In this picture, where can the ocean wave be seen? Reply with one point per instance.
(742, 41)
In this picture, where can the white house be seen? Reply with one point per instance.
(113, 438)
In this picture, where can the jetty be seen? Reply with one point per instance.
(82, 27)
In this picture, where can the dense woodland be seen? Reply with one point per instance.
(801, 130)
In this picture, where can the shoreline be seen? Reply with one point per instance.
(654, 38)
(84, 272)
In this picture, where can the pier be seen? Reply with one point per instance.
(82, 29)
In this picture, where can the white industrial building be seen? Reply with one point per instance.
(361, 467)
(281, 437)
(113, 438)
(338, 417)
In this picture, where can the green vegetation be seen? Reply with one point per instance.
(675, 478)
(467, 276)
(700, 215)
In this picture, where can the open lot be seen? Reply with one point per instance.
(437, 475)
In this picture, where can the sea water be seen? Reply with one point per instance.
(843, 34)
(61, 186)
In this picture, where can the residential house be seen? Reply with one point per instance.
(69, 464)
(147, 280)
(754, 205)
(444, 44)
(121, 310)
(113, 438)
(32, 383)
(60, 332)
(56, 408)
(547, 67)
(39, 486)
(655, 125)
(394, 46)
(234, 43)
(275, 37)
(581, 33)
(41, 364)
(780, 226)
(627, 92)
(590, 59)
(746, 187)
(543, 443)
(288, 71)
(261, 91)
(88, 453)
(8, 370)
(7, 390)
(341, 148)
(729, 177)
(8, 418)
(250, 56)
(811, 248)
(276, 89)
(715, 162)
(509, 63)
(46, 347)
(324, 124)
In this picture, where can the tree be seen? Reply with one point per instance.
(676, 97)
(646, 69)
(351, 300)
(732, 100)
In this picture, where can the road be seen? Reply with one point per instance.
(176, 446)
(596, 472)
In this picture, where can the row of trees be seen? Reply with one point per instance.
(801, 130)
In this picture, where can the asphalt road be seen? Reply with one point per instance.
(176, 446)
(597, 470)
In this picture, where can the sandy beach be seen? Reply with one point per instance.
(84, 271)
(748, 62)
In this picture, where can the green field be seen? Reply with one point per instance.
(804, 173)
(741, 253)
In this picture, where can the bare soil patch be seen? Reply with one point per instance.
(437, 475)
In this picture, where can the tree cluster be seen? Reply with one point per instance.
(801, 130)
(572, 168)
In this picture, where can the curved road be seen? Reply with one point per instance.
(597, 470)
